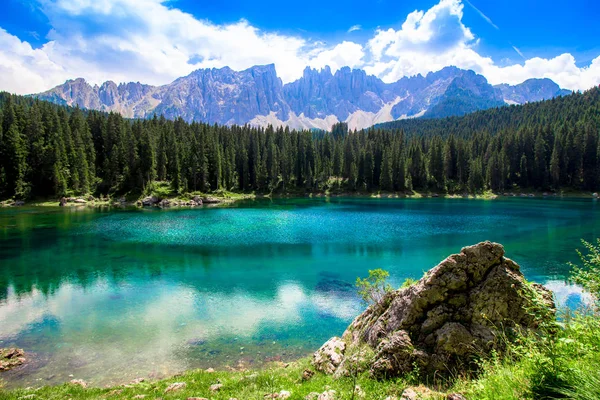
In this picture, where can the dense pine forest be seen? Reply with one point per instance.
(50, 151)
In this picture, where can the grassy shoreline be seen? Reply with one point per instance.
(560, 366)
(225, 197)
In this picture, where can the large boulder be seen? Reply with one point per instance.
(150, 201)
(468, 305)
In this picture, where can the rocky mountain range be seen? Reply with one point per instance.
(318, 99)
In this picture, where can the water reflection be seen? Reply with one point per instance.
(147, 325)
(105, 294)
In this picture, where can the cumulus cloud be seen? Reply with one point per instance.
(152, 41)
(430, 40)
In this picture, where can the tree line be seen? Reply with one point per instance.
(48, 150)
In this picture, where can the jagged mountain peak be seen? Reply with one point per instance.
(317, 99)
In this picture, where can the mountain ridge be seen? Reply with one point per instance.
(317, 100)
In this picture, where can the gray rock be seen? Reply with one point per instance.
(327, 395)
(453, 314)
(307, 374)
(79, 382)
(216, 387)
(164, 203)
(329, 356)
(211, 200)
(455, 396)
(11, 358)
(150, 201)
(409, 394)
(175, 387)
(197, 200)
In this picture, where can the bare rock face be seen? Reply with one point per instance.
(455, 313)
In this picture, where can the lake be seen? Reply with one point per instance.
(110, 295)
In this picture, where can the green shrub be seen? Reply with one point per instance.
(374, 287)
(588, 275)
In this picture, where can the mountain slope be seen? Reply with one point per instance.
(318, 99)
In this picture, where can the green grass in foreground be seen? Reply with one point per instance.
(543, 367)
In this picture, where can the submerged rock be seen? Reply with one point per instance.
(468, 305)
(11, 358)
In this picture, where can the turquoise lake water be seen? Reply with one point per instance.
(111, 295)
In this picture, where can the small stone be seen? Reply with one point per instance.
(117, 392)
(456, 396)
(173, 387)
(210, 370)
(139, 396)
(284, 394)
(216, 387)
(359, 392)
(311, 396)
(409, 394)
(29, 396)
(307, 374)
(137, 381)
(328, 395)
(79, 382)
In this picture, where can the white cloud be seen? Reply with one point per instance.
(430, 40)
(354, 28)
(344, 54)
(153, 42)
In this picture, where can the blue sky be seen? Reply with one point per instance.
(44, 42)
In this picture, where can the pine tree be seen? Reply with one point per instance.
(386, 172)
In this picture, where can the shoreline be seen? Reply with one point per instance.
(227, 198)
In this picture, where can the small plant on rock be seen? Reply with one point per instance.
(374, 287)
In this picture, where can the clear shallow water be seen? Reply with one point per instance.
(108, 296)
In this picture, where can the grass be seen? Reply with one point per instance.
(536, 367)
(241, 385)
(565, 366)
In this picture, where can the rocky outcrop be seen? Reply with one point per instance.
(468, 305)
(11, 358)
